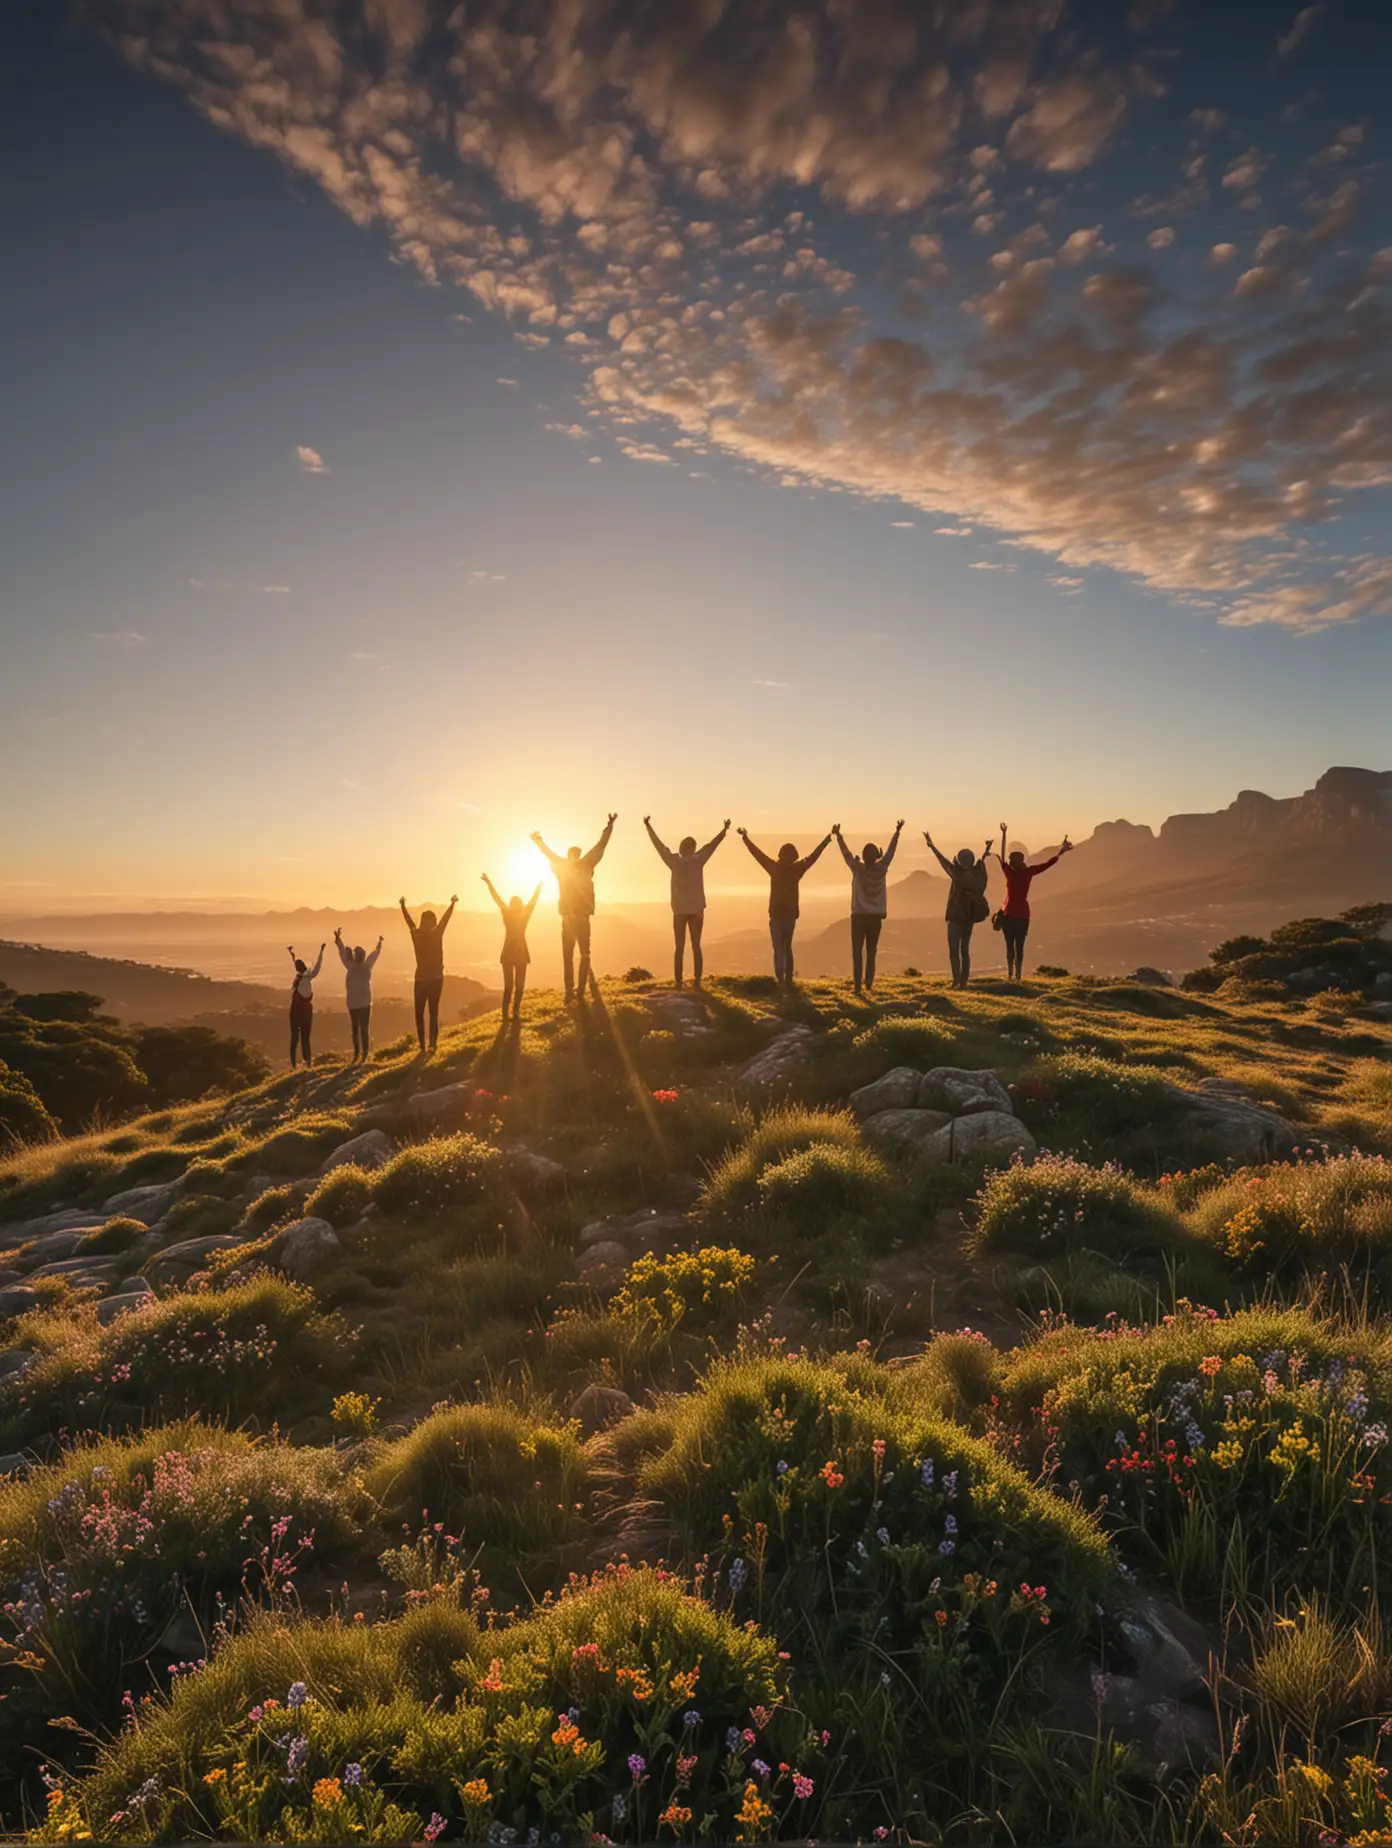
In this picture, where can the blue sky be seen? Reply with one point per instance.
(953, 429)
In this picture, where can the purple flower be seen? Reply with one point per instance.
(637, 1764)
(733, 1740)
(950, 1524)
(295, 1696)
(691, 1717)
(352, 1776)
(947, 1548)
(760, 1769)
(738, 1575)
(950, 1485)
(297, 1753)
(926, 1473)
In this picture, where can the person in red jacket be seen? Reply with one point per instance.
(1015, 913)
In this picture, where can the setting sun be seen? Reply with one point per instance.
(526, 869)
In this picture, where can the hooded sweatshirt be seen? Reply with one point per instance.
(688, 874)
(868, 880)
(358, 980)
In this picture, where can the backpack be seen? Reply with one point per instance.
(980, 909)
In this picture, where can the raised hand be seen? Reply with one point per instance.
(535, 835)
(743, 833)
(454, 898)
(928, 837)
(1067, 846)
(726, 822)
(899, 824)
(836, 829)
(646, 819)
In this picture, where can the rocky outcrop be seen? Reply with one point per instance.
(961, 1092)
(17, 1299)
(532, 1174)
(947, 1114)
(598, 1407)
(177, 1263)
(374, 1148)
(122, 1301)
(907, 1129)
(779, 1060)
(897, 1090)
(1220, 1122)
(305, 1246)
(988, 1134)
(147, 1203)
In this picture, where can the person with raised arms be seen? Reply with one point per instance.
(1015, 912)
(428, 940)
(688, 869)
(966, 905)
(785, 877)
(869, 870)
(302, 1003)
(516, 956)
(575, 888)
(357, 984)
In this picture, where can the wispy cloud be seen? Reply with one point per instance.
(121, 638)
(779, 685)
(1305, 20)
(310, 460)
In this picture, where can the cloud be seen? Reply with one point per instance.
(903, 523)
(779, 685)
(310, 460)
(1299, 27)
(121, 638)
(716, 213)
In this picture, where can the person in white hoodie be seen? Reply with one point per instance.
(869, 870)
(302, 1003)
(688, 869)
(357, 983)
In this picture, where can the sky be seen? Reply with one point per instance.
(429, 422)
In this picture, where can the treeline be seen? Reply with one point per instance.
(64, 1065)
(1349, 954)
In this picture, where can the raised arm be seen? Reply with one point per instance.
(846, 853)
(942, 858)
(494, 893)
(372, 955)
(893, 843)
(410, 921)
(291, 949)
(444, 921)
(705, 852)
(319, 961)
(806, 864)
(344, 956)
(556, 859)
(664, 853)
(1002, 851)
(758, 852)
(596, 853)
(531, 905)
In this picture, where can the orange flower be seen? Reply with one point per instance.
(492, 1682)
(830, 1474)
(476, 1791)
(1210, 1364)
(327, 1792)
(674, 1817)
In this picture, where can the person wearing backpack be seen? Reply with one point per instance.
(966, 905)
(869, 871)
(357, 983)
(1014, 914)
(428, 941)
(302, 1004)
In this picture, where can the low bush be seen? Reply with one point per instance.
(295, 1147)
(698, 1289)
(1060, 1204)
(627, 1708)
(898, 1039)
(434, 1178)
(1087, 1104)
(115, 1236)
(806, 1175)
(342, 1197)
(259, 1350)
(1307, 1215)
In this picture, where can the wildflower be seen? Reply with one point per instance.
(760, 1770)
(831, 1475)
(947, 1548)
(686, 1764)
(926, 1473)
(476, 1791)
(950, 1485)
(327, 1792)
(619, 1807)
(1375, 1435)
(884, 1677)
(738, 1575)
(434, 1829)
(882, 1535)
(782, 1466)
(882, 1834)
(950, 1524)
(295, 1697)
(352, 1776)
(1210, 1365)
(877, 1449)
(637, 1764)
(216, 1776)
(675, 1816)
(732, 1739)
(753, 1813)
(802, 1786)
(296, 1753)
(691, 1717)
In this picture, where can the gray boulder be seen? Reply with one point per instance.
(963, 1093)
(52, 1246)
(780, 1059)
(649, 1229)
(258, 1184)
(1221, 1122)
(681, 1014)
(14, 1361)
(305, 1246)
(988, 1134)
(905, 1129)
(604, 1262)
(1382, 985)
(598, 1407)
(147, 1203)
(110, 1307)
(897, 1090)
(444, 1107)
(65, 1219)
(13, 1464)
(177, 1263)
(373, 1149)
(532, 1174)
(81, 1273)
(18, 1299)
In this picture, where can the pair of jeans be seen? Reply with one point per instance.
(781, 931)
(1015, 930)
(299, 1036)
(428, 996)
(865, 940)
(361, 1018)
(514, 981)
(959, 951)
(575, 935)
(682, 922)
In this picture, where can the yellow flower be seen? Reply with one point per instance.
(216, 1776)
(476, 1791)
(327, 1792)
(753, 1814)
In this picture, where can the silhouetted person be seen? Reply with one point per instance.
(868, 902)
(428, 940)
(966, 905)
(688, 869)
(1015, 913)
(302, 1004)
(357, 984)
(785, 876)
(575, 884)
(516, 955)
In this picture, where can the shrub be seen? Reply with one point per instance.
(1059, 1204)
(625, 1706)
(258, 1350)
(116, 1235)
(896, 1039)
(638, 974)
(23, 1117)
(1082, 1102)
(435, 1177)
(498, 1478)
(733, 1185)
(342, 1196)
(1307, 1214)
(296, 1147)
(1244, 1454)
(698, 1289)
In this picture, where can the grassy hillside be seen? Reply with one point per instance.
(946, 1416)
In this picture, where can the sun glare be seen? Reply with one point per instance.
(525, 870)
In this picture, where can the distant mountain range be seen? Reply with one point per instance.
(1127, 895)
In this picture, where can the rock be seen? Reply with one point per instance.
(51, 1246)
(258, 1184)
(183, 1638)
(779, 1059)
(1314, 980)
(988, 1133)
(177, 1263)
(905, 1129)
(533, 1174)
(1382, 985)
(1170, 1649)
(897, 1090)
(604, 1262)
(1225, 1124)
(305, 1246)
(1185, 1739)
(66, 1219)
(681, 1014)
(9, 1276)
(449, 1104)
(123, 1302)
(18, 1299)
(963, 1093)
(649, 1229)
(598, 1407)
(14, 1361)
(1378, 1010)
(81, 1273)
(12, 1464)
(373, 1149)
(147, 1203)
(1151, 978)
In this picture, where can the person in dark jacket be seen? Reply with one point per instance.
(575, 885)
(785, 876)
(869, 870)
(428, 940)
(302, 1004)
(516, 956)
(966, 905)
(1015, 913)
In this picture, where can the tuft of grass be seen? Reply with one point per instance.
(436, 1177)
(1060, 1204)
